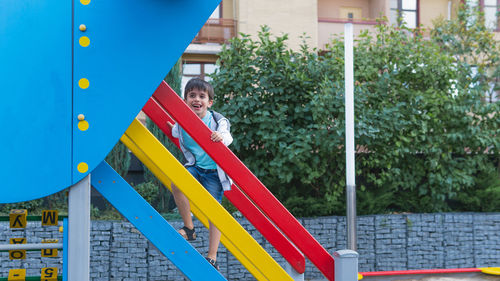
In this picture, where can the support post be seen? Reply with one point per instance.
(79, 231)
(349, 139)
(293, 273)
(346, 265)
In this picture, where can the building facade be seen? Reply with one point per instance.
(319, 20)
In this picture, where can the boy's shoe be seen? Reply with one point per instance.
(213, 263)
(189, 235)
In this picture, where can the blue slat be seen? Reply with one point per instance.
(151, 224)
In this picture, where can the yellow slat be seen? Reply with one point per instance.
(490, 270)
(160, 175)
(167, 169)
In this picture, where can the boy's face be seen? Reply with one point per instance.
(198, 101)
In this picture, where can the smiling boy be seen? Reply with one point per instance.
(199, 96)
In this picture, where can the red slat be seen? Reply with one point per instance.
(242, 176)
(296, 259)
(267, 229)
(160, 117)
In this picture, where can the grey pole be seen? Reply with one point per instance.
(34, 246)
(79, 231)
(349, 140)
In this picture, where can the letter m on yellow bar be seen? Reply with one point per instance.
(50, 217)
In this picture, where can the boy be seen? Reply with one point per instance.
(199, 96)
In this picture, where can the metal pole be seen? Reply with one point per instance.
(349, 140)
(79, 231)
(34, 246)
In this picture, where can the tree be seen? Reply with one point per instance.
(420, 130)
(267, 92)
(476, 55)
(119, 159)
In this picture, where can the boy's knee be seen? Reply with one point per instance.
(175, 189)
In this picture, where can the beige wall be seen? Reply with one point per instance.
(227, 9)
(293, 17)
(379, 8)
(431, 10)
(331, 8)
(327, 31)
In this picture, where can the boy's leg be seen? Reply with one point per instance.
(183, 206)
(212, 183)
(213, 241)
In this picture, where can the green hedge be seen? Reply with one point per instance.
(427, 141)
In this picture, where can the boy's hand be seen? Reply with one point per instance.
(216, 136)
(170, 125)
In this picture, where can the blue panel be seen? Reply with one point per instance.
(35, 106)
(133, 45)
(151, 224)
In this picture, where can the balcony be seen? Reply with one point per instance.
(216, 31)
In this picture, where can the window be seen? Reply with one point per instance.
(490, 10)
(492, 96)
(404, 11)
(196, 69)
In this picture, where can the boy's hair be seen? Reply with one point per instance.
(199, 84)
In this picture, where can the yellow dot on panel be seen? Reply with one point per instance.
(83, 125)
(82, 167)
(85, 2)
(83, 83)
(84, 41)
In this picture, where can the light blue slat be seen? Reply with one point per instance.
(151, 224)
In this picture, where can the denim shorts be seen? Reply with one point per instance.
(209, 179)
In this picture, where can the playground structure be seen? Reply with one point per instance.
(48, 248)
(75, 76)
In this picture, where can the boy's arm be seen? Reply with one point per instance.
(223, 130)
(175, 129)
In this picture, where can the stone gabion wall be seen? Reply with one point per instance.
(33, 233)
(385, 242)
